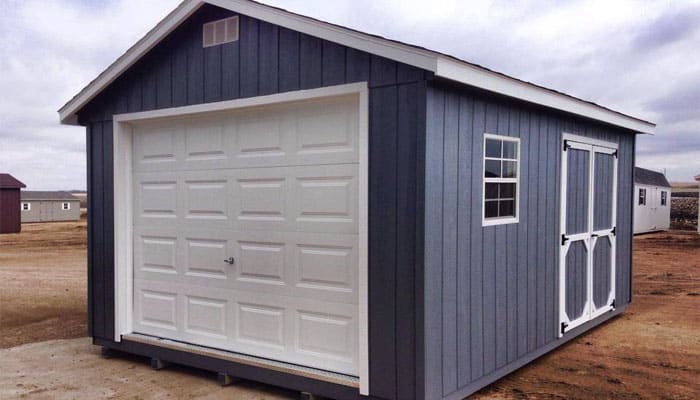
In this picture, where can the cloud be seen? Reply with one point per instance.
(681, 104)
(639, 58)
(48, 52)
(670, 27)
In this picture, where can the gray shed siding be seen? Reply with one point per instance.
(268, 59)
(50, 211)
(491, 293)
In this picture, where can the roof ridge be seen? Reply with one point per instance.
(442, 65)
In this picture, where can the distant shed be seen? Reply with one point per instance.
(38, 206)
(652, 202)
(9, 204)
(697, 178)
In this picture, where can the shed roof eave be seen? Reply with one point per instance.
(442, 65)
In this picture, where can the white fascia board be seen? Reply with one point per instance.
(442, 66)
(406, 54)
(67, 113)
(396, 51)
(474, 76)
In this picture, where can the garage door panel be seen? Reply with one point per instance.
(326, 268)
(319, 266)
(157, 254)
(307, 133)
(309, 198)
(155, 198)
(261, 325)
(205, 316)
(325, 199)
(261, 138)
(328, 130)
(206, 198)
(315, 330)
(285, 328)
(261, 199)
(246, 231)
(156, 311)
(156, 145)
(205, 139)
(204, 257)
(261, 262)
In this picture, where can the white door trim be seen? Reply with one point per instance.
(590, 141)
(589, 238)
(123, 211)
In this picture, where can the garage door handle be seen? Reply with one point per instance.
(230, 261)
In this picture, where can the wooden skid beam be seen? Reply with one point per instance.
(158, 364)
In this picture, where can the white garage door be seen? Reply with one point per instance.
(246, 231)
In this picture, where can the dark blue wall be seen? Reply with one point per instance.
(269, 59)
(491, 293)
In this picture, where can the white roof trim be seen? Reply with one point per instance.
(441, 65)
(67, 113)
(495, 82)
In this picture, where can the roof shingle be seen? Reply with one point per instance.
(8, 181)
(648, 177)
(44, 195)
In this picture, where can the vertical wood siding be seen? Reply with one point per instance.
(491, 293)
(269, 59)
(10, 213)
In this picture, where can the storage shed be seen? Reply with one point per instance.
(697, 178)
(652, 202)
(9, 204)
(280, 199)
(46, 206)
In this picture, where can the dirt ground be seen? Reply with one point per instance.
(652, 351)
(43, 283)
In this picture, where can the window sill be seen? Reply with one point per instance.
(499, 221)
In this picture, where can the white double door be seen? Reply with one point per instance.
(588, 241)
(245, 231)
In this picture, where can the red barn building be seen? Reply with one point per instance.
(10, 221)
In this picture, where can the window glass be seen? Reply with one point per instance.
(663, 198)
(642, 197)
(492, 169)
(510, 169)
(507, 190)
(500, 179)
(506, 208)
(491, 209)
(491, 191)
(493, 148)
(510, 150)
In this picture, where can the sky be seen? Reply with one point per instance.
(638, 57)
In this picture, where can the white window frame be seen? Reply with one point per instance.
(642, 195)
(29, 206)
(664, 198)
(65, 206)
(484, 180)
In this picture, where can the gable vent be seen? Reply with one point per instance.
(220, 32)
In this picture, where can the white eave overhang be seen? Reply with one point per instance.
(441, 65)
